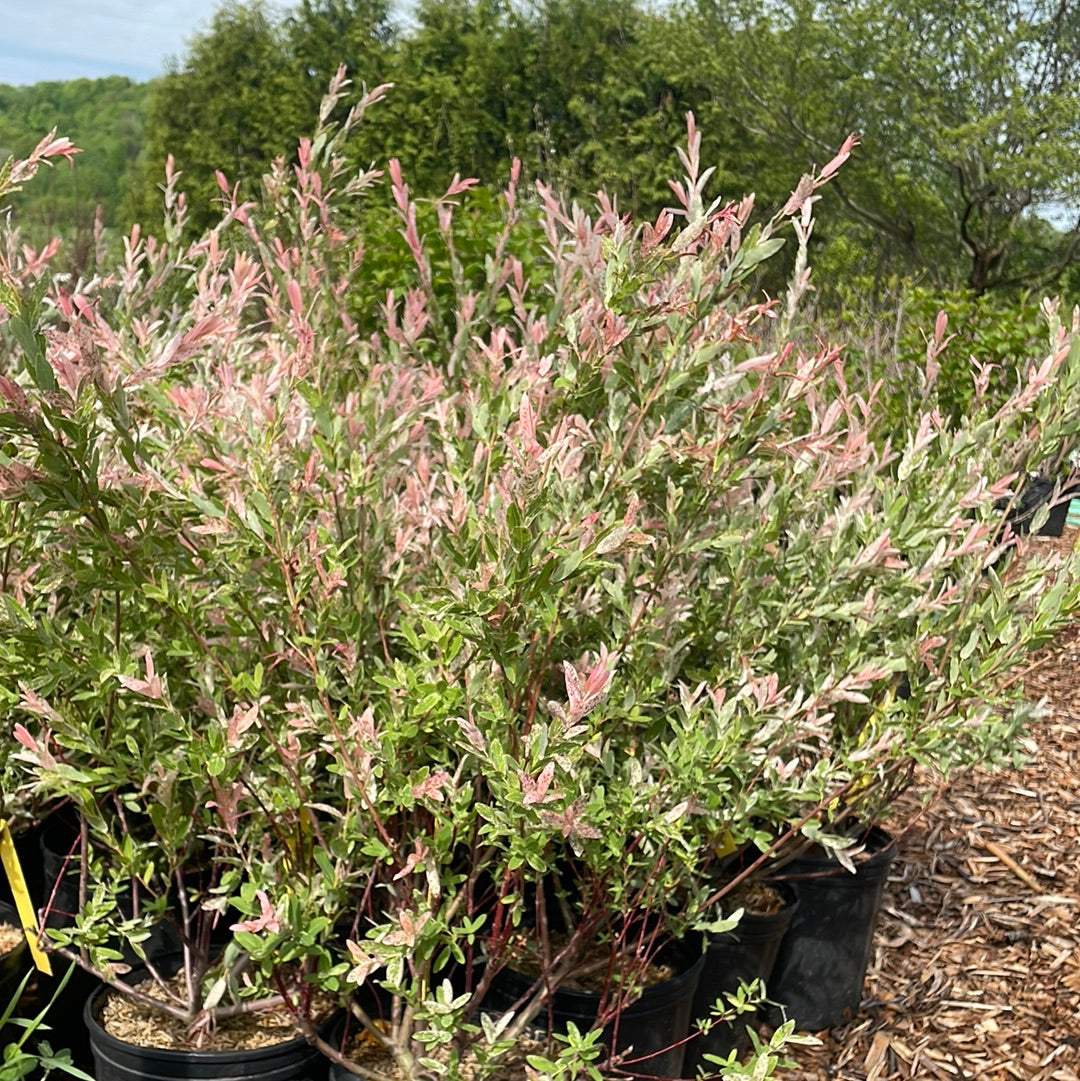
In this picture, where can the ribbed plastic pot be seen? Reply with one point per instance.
(337, 1040)
(28, 849)
(822, 962)
(737, 957)
(378, 1004)
(651, 1031)
(118, 1060)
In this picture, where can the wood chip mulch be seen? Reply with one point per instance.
(976, 972)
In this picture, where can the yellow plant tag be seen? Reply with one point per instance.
(296, 848)
(25, 906)
(724, 845)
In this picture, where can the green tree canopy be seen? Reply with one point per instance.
(231, 104)
(969, 114)
(322, 35)
(104, 117)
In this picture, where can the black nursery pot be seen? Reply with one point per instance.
(118, 1060)
(819, 972)
(1037, 492)
(737, 957)
(13, 964)
(60, 863)
(654, 1026)
(58, 874)
(1054, 525)
(28, 849)
(377, 1003)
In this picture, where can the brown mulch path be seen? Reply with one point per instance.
(976, 972)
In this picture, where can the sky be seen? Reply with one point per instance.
(47, 40)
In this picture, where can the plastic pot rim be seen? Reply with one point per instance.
(267, 1054)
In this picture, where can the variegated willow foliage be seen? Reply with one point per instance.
(350, 642)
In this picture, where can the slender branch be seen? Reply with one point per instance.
(123, 988)
(543, 989)
(8, 551)
(904, 232)
(255, 1005)
(185, 916)
(335, 1056)
(84, 857)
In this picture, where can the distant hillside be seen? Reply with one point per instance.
(102, 116)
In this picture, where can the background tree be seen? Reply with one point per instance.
(102, 116)
(585, 93)
(968, 176)
(230, 104)
(321, 35)
(969, 112)
(461, 94)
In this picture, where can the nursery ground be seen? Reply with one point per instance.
(976, 972)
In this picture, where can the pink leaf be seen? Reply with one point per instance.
(842, 155)
(570, 824)
(267, 920)
(799, 195)
(457, 185)
(364, 963)
(240, 721)
(473, 735)
(62, 147)
(432, 787)
(292, 288)
(151, 687)
(33, 703)
(398, 185)
(24, 737)
(527, 425)
(536, 791)
(13, 394)
(940, 326)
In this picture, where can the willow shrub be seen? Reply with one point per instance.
(358, 642)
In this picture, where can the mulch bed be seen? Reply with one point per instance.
(976, 972)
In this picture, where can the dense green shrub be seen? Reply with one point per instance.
(576, 560)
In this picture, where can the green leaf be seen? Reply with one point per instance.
(750, 257)
(9, 297)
